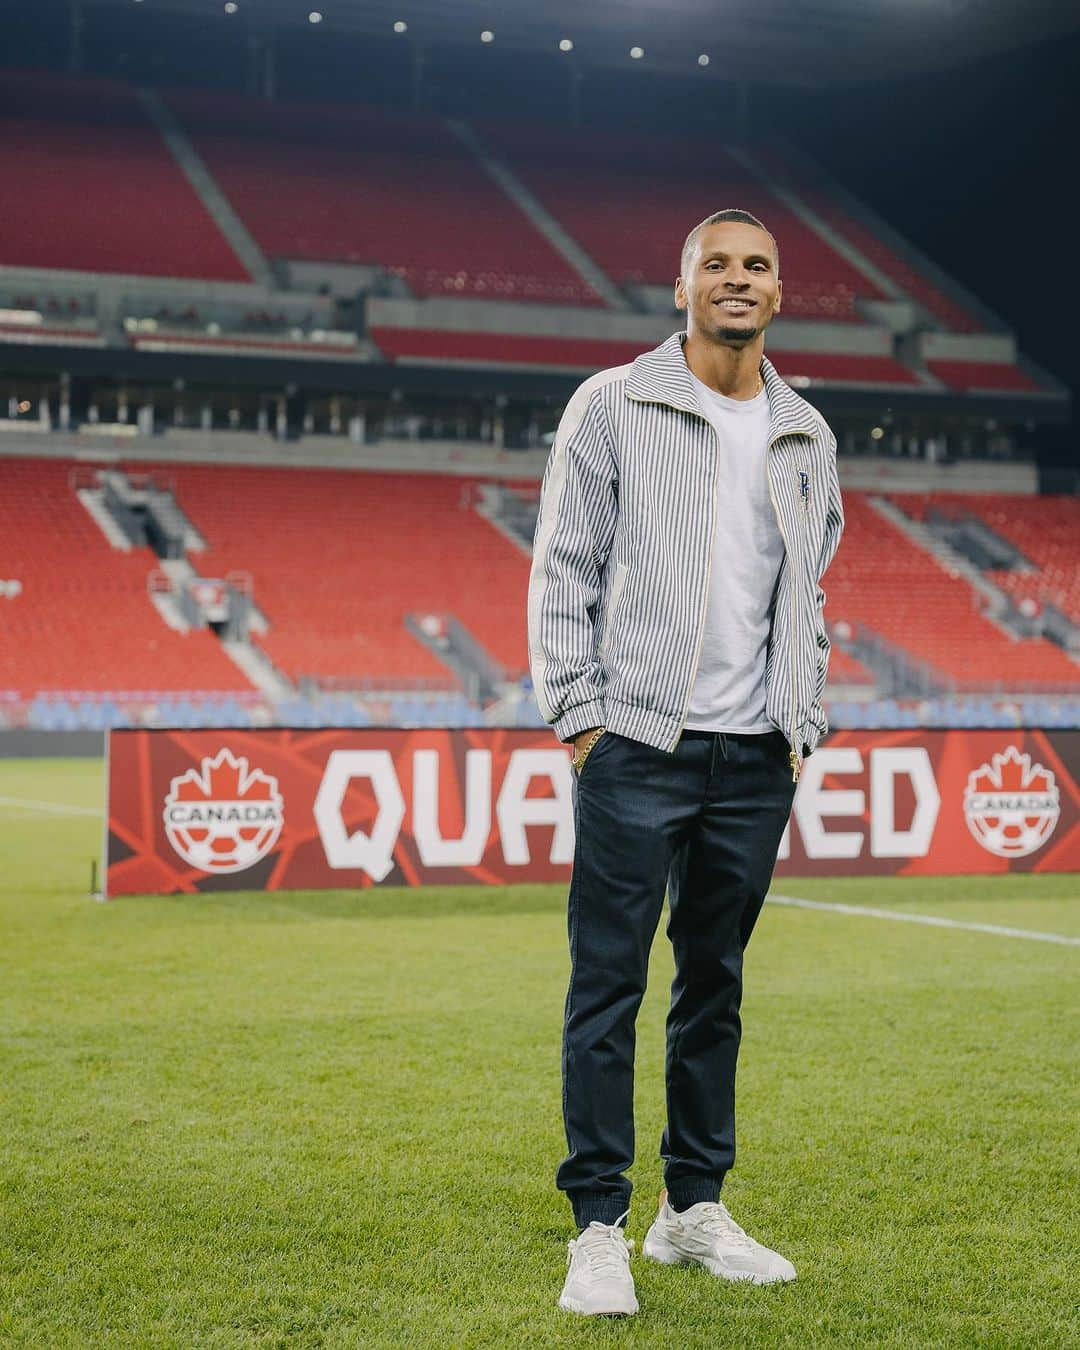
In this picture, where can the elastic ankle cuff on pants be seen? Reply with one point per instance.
(598, 1207)
(681, 1197)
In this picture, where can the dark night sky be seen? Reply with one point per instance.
(976, 168)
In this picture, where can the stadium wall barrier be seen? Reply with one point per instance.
(200, 811)
(30, 743)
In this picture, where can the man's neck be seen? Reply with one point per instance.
(731, 371)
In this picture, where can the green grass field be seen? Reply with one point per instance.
(332, 1119)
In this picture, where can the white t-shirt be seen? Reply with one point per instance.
(729, 689)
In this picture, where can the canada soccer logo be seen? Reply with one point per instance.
(1011, 805)
(224, 816)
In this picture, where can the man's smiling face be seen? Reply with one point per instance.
(729, 287)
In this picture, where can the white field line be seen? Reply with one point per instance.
(794, 902)
(54, 808)
(931, 920)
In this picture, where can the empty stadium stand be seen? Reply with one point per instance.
(340, 558)
(343, 560)
(82, 619)
(415, 211)
(882, 585)
(1046, 531)
(369, 185)
(592, 183)
(91, 186)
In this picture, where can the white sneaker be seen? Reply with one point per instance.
(598, 1279)
(706, 1235)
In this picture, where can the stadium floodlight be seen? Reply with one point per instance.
(401, 26)
(231, 7)
(565, 45)
(314, 17)
(487, 35)
(636, 53)
(703, 59)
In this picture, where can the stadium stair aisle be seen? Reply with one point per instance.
(1045, 529)
(881, 583)
(810, 187)
(83, 620)
(340, 557)
(374, 186)
(591, 182)
(98, 190)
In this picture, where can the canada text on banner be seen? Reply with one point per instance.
(193, 811)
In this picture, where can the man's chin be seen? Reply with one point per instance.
(732, 334)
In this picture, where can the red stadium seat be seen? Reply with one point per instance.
(340, 557)
(1046, 530)
(83, 619)
(375, 186)
(91, 186)
(593, 182)
(881, 583)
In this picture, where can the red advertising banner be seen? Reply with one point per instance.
(193, 811)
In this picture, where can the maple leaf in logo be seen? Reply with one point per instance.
(1011, 772)
(1011, 805)
(223, 816)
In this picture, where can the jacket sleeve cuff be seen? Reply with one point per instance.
(811, 736)
(581, 718)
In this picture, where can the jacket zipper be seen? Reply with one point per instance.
(794, 758)
(708, 579)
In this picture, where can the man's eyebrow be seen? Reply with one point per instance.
(750, 257)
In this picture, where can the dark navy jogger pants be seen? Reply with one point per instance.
(705, 822)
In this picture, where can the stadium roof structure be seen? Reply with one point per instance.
(801, 43)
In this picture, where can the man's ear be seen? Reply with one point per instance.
(779, 296)
(681, 301)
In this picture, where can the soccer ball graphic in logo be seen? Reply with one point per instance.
(1011, 805)
(223, 817)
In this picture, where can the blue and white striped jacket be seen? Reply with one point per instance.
(623, 554)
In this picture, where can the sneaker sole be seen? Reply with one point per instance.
(574, 1305)
(656, 1248)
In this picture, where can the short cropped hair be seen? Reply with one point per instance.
(718, 218)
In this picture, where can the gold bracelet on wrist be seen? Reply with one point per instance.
(578, 760)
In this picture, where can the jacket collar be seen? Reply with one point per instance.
(662, 376)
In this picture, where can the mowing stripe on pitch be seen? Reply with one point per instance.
(931, 920)
(55, 808)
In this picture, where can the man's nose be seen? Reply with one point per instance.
(736, 284)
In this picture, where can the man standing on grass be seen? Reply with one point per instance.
(689, 510)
